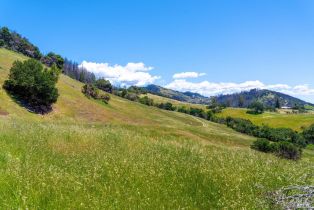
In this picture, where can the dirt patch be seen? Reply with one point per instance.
(3, 113)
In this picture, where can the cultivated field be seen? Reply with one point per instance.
(125, 155)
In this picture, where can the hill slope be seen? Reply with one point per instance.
(176, 95)
(267, 97)
(89, 155)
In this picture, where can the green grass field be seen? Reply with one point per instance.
(273, 119)
(125, 155)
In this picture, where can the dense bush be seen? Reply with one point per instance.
(91, 91)
(262, 145)
(166, 106)
(33, 84)
(256, 108)
(183, 109)
(288, 150)
(308, 134)
(131, 96)
(14, 41)
(52, 58)
(147, 101)
(282, 149)
(242, 125)
(137, 90)
(104, 85)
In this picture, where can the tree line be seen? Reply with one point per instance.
(13, 41)
(283, 142)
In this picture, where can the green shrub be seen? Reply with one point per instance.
(288, 150)
(256, 108)
(33, 85)
(51, 59)
(166, 106)
(104, 97)
(91, 91)
(104, 85)
(183, 109)
(262, 145)
(147, 101)
(131, 96)
(308, 134)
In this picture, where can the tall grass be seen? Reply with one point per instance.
(124, 155)
(77, 166)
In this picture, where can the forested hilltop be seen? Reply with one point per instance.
(243, 99)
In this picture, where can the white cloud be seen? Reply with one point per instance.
(130, 74)
(189, 74)
(210, 89)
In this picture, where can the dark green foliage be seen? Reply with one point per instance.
(198, 112)
(256, 108)
(277, 105)
(166, 106)
(147, 101)
(268, 98)
(14, 41)
(262, 145)
(33, 85)
(137, 90)
(52, 58)
(299, 108)
(288, 150)
(183, 109)
(104, 85)
(308, 134)
(104, 97)
(241, 101)
(281, 134)
(242, 125)
(282, 149)
(131, 96)
(123, 93)
(91, 91)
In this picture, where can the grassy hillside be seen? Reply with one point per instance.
(273, 119)
(160, 99)
(86, 154)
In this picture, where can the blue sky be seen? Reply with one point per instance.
(229, 45)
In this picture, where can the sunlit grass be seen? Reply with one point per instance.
(125, 155)
(273, 119)
(46, 165)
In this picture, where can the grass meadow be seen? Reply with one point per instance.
(273, 119)
(125, 155)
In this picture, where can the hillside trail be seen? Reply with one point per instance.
(199, 120)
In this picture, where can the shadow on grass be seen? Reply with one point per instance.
(254, 113)
(37, 109)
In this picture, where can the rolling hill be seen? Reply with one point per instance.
(267, 97)
(124, 155)
(176, 95)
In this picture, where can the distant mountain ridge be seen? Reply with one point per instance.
(242, 99)
(177, 95)
(267, 97)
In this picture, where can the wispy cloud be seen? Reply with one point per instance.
(189, 74)
(210, 89)
(130, 74)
